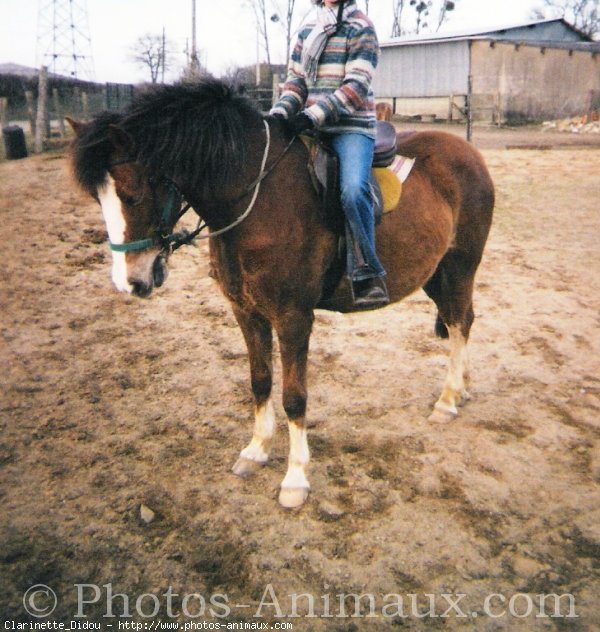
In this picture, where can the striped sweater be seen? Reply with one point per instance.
(341, 99)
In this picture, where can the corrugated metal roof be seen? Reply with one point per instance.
(487, 33)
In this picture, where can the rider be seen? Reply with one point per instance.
(328, 88)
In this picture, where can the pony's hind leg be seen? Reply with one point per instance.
(454, 391)
(294, 335)
(259, 341)
(451, 288)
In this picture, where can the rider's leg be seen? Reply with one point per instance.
(355, 152)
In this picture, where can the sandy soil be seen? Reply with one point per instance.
(110, 403)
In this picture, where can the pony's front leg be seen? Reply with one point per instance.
(294, 335)
(259, 341)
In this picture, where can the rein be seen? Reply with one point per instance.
(172, 241)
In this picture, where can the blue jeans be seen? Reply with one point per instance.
(355, 153)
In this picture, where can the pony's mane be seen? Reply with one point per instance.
(192, 133)
(90, 152)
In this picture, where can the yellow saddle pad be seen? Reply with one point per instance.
(390, 181)
(391, 188)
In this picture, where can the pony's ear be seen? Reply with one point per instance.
(76, 126)
(120, 139)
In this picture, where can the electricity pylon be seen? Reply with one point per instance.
(63, 43)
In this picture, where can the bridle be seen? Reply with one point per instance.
(169, 241)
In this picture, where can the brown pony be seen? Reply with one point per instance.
(273, 250)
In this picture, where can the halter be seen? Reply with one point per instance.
(168, 241)
(171, 241)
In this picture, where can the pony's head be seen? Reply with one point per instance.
(189, 134)
(104, 165)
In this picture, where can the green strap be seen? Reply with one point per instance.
(132, 246)
(145, 244)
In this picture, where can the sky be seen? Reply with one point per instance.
(226, 32)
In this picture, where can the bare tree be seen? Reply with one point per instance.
(236, 76)
(582, 14)
(151, 52)
(427, 10)
(398, 8)
(443, 10)
(280, 12)
(285, 17)
(428, 15)
(422, 9)
(259, 7)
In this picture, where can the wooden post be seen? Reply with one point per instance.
(40, 122)
(469, 103)
(498, 109)
(85, 106)
(76, 102)
(59, 113)
(30, 111)
(275, 94)
(3, 111)
(470, 109)
(451, 108)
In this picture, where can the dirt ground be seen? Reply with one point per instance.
(111, 403)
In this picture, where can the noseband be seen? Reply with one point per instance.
(169, 241)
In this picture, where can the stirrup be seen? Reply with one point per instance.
(370, 293)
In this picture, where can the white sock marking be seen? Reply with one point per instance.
(264, 428)
(298, 458)
(454, 386)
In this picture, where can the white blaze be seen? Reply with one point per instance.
(115, 225)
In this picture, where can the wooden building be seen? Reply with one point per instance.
(535, 71)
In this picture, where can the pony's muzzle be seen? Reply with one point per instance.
(141, 289)
(143, 284)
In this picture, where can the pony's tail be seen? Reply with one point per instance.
(441, 331)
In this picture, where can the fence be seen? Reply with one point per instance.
(19, 102)
(44, 119)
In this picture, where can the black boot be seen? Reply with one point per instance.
(370, 293)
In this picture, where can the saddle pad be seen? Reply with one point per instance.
(390, 180)
(390, 187)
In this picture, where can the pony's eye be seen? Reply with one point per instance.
(129, 200)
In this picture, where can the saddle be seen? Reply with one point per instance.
(324, 171)
(385, 144)
(388, 172)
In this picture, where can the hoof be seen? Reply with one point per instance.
(292, 497)
(441, 416)
(245, 468)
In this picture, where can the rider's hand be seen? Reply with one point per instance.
(300, 123)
